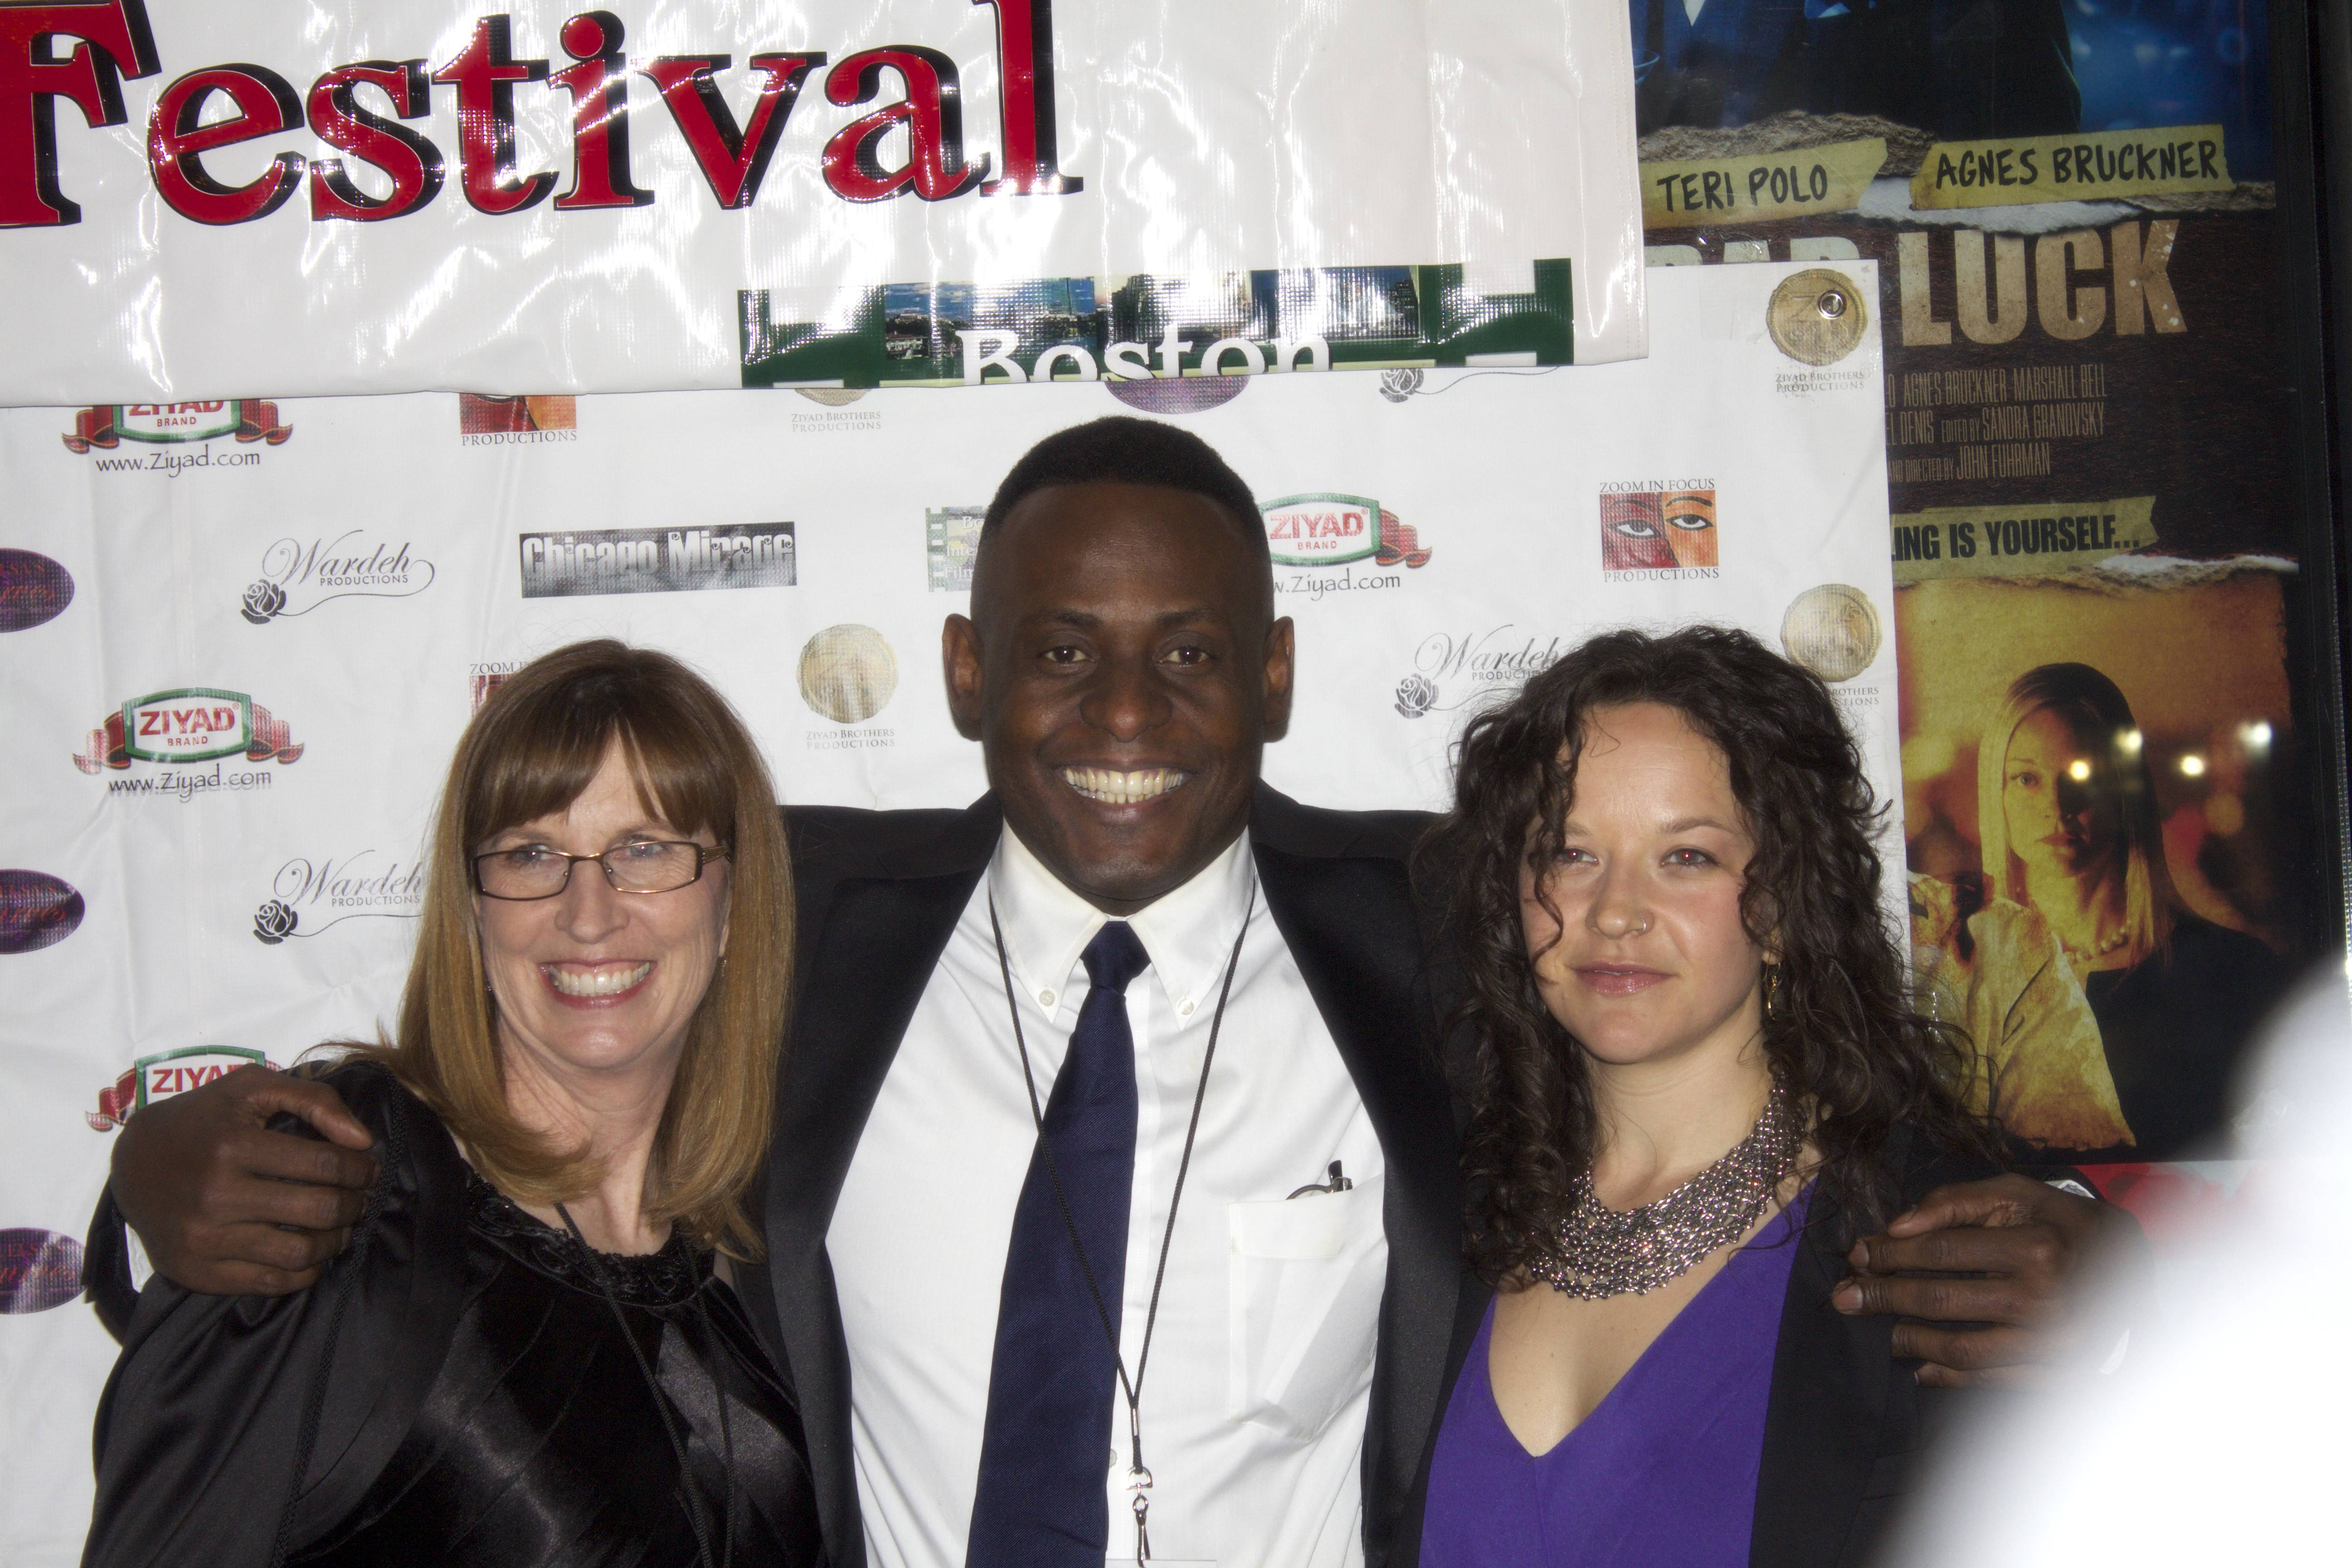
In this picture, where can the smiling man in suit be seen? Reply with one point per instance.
(1113, 1193)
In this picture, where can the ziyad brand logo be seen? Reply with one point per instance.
(1654, 531)
(39, 1269)
(185, 729)
(37, 911)
(1451, 670)
(1331, 529)
(299, 575)
(658, 561)
(331, 892)
(33, 589)
(165, 1074)
(107, 425)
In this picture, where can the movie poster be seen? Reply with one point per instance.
(2094, 521)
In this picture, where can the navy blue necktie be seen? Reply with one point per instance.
(1045, 1452)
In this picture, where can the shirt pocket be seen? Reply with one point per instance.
(1303, 1290)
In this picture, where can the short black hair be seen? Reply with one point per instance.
(1120, 449)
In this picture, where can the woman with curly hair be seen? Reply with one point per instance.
(1696, 1079)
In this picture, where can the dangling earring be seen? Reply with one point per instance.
(1775, 1004)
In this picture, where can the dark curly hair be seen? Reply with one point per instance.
(1844, 1038)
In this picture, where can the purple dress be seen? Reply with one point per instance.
(1661, 1474)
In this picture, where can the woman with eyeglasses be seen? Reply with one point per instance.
(530, 1353)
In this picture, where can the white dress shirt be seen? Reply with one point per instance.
(1255, 1396)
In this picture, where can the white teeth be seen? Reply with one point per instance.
(597, 982)
(1116, 788)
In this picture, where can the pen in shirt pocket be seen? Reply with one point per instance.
(1339, 1182)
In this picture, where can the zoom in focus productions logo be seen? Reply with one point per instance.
(37, 911)
(1323, 529)
(1654, 531)
(39, 1269)
(486, 421)
(298, 576)
(309, 897)
(184, 730)
(167, 1073)
(657, 561)
(249, 422)
(33, 589)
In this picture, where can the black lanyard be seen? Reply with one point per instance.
(1139, 1479)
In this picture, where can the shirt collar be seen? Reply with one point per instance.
(1188, 933)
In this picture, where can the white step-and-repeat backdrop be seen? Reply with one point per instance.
(243, 637)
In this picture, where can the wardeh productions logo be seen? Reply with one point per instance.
(951, 541)
(37, 911)
(167, 1073)
(298, 576)
(183, 730)
(484, 421)
(331, 892)
(169, 426)
(658, 561)
(33, 589)
(39, 1269)
(1654, 531)
(1451, 669)
(848, 674)
(1325, 528)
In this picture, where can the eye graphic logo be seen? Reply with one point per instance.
(1668, 529)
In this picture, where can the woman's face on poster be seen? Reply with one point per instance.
(2059, 795)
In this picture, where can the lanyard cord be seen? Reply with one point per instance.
(686, 1492)
(1139, 1479)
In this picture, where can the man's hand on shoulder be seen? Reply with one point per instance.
(1983, 1278)
(227, 1208)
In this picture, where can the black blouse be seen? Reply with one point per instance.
(459, 1389)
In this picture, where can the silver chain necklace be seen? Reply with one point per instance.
(1601, 1252)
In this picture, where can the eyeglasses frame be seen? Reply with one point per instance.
(704, 855)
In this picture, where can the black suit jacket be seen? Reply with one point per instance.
(879, 894)
(1846, 1426)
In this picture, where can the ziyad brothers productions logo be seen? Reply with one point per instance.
(1320, 529)
(848, 674)
(165, 1074)
(185, 729)
(1831, 630)
(298, 576)
(309, 897)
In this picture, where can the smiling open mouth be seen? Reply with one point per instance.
(604, 980)
(1114, 787)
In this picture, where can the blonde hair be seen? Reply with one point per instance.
(532, 750)
(2093, 707)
